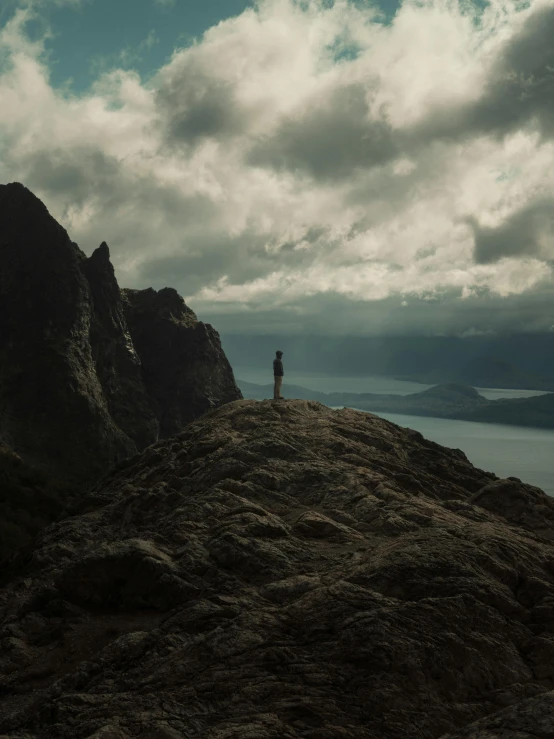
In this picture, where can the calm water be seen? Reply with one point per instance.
(505, 450)
(508, 451)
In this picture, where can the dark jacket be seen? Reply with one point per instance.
(278, 368)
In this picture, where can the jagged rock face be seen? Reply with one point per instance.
(52, 405)
(280, 569)
(73, 396)
(185, 370)
(117, 364)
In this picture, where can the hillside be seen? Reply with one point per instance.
(283, 570)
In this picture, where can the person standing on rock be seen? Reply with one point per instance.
(277, 376)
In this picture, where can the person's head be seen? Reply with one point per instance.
(278, 355)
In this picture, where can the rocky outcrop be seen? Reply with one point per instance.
(52, 406)
(73, 395)
(281, 569)
(185, 370)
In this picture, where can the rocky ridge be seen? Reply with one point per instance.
(81, 384)
(281, 570)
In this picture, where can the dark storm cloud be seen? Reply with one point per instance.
(522, 235)
(333, 138)
(521, 87)
(447, 315)
(519, 91)
(74, 171)
(195, 105)
(81, 173)
(207, 257)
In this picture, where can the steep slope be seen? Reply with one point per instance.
(117, 364)
(283, 570)
(76, 395)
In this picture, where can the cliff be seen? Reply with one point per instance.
(286, 570)
(185, 370)
(81, 386)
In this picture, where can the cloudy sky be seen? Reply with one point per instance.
(297, 165)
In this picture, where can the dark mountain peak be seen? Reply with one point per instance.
(163, 304)
(184, 366)
(16, 193)
(99, 267)
(101, 254)
(74, 393)
(26, 224)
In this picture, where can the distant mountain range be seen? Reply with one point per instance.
(520, 361)
(451, 400)
(484, 372)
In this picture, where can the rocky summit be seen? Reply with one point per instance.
(90, 374)
(280, 570)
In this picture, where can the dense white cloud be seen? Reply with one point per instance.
(301, 157)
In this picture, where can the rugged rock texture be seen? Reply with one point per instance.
(72, 393)
(117, 364)
(530, 719)
(29, 501)
(283, 570)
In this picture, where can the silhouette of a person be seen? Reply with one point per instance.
(277, 376)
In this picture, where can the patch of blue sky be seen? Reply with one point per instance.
(96, 36)
(100, 35)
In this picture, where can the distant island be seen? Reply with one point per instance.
(488, 372)
(451, 400)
